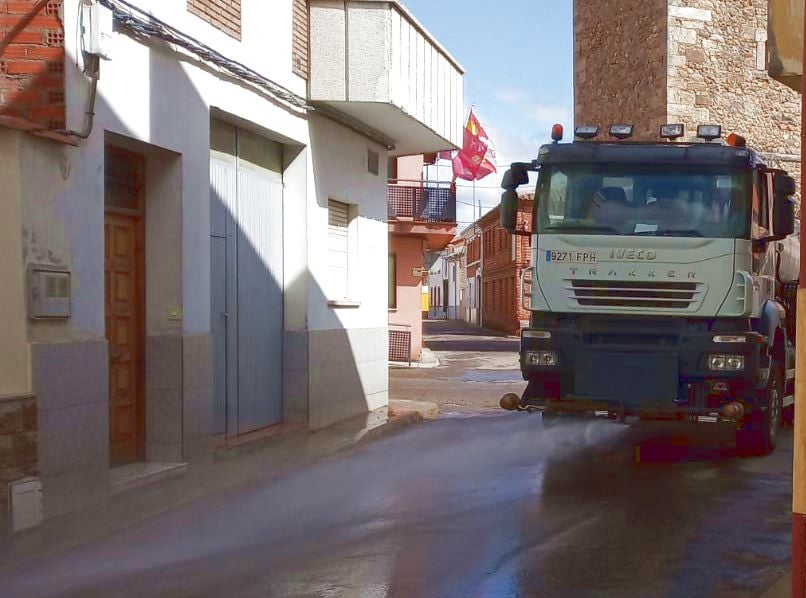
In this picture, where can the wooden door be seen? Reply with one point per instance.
(124, 300)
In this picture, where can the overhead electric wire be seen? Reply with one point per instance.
(140, 22)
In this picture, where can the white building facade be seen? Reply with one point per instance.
(216, 226)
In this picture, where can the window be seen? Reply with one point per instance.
(123, 179)
(761, 212)
(340, 219)
(671, 200)
(300, 39)
(392, 281)
(373, 162)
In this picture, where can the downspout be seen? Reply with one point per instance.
(346, 51)
(799, 458)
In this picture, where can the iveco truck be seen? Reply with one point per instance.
(657, 287)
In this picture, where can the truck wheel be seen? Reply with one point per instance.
(760, 435)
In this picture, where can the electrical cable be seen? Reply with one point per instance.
(140, 22)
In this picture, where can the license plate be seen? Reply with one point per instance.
(571, 257)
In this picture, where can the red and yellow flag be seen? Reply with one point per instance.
(476, 159)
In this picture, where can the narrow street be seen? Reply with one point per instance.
(477, 503)
(476, 369)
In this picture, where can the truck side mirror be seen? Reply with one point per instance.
(783, 211)
(785, 185)
(509, 210)
(783, 217)
(518, 174)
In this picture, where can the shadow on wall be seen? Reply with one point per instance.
(178, 363)
(348, 354)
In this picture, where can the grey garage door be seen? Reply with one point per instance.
(246, 279)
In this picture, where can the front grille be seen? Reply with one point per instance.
(619, 294)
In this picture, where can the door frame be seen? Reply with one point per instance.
(137, 161)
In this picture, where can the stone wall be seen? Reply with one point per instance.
(620, 64)
(18, 446)
(717, 74)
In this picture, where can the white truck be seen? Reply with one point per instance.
(662, 281)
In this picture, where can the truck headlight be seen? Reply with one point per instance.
(541, 358)
(545, 334)
(726, 363)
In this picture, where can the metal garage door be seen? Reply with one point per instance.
(246, 279)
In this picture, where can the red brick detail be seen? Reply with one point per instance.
(224, 15)
(32, 66)
(18, 446)
(300, 46)
(503, 258)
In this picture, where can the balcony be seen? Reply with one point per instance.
(421, 201)
(785, 42)
(374, 64)
(422, 208)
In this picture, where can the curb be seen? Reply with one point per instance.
(394, 425)
(72, 529)
(428, 361)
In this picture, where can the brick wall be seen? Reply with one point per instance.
(502, 308)
(717, 74)
(702, 62)
(32, 66)
(221, 14)
(18, 447)
(620, 63)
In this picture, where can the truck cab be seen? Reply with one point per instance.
(655, 289)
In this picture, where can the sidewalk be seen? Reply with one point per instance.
(229, 470)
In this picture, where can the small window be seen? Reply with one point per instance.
(340, 217)
(761, 203)
(373, 162)
(123, 179)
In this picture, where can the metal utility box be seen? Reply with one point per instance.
(48, 292)
(25, 503)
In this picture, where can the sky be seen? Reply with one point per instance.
(518, 61)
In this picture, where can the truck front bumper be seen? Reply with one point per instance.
(654, 368)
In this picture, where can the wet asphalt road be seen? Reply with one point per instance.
(487, 505)
(478, 503)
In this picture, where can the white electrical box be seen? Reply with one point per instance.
(25, 503)
(48, 292)
(97, 30)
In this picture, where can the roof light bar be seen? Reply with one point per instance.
(621, 131)
(672, 131)
(709, 132)
(587, 131)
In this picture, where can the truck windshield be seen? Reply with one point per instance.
(615, 199)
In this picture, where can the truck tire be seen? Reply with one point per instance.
(762, 428)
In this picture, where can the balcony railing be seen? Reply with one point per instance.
(421, 201)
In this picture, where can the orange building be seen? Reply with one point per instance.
(422, 219)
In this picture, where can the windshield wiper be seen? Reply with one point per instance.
(670, 232)
(570, 226)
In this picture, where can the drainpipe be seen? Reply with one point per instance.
(799, 465)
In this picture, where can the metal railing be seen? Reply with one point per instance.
(421, 201)
(400, 343)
